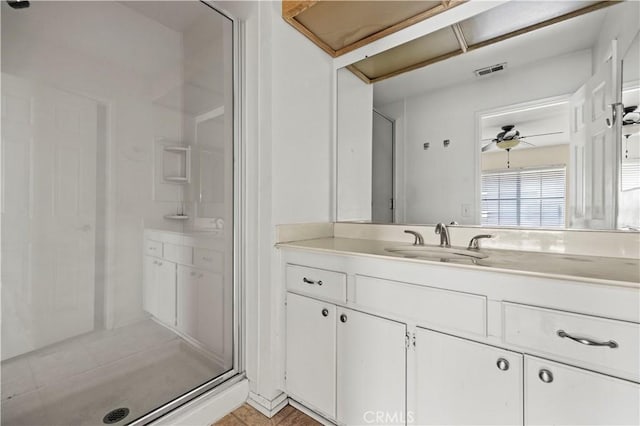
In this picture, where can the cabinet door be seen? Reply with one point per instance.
(311, 352)
(559, 394)
(165, 289)
(371, 369)
(458, 381)
(201, 308)
(149, 295)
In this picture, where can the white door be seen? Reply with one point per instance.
(49, 140)
(382, 198)
(593, 157)
(559, 394)
(310, 372)
(371, 369)
(201, 305)
(460, 382)
(577, 161)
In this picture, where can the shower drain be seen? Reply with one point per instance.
(114, 416)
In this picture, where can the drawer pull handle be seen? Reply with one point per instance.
(502, 364)
(545, 375)
(308, 281)
(325, 312)
(585, 341)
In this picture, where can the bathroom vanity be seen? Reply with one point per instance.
(376, 337)
(184, 287)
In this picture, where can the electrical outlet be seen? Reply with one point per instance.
(466, 210)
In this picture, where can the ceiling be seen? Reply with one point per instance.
(547, 42)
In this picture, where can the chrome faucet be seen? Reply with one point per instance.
(474, 244)
(418, 241)
(442, 229)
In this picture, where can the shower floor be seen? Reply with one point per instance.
(77, 382)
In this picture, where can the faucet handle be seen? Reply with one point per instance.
(474, 244)
(418, 240)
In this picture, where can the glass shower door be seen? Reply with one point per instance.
(117, 207)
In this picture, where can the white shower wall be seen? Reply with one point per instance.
(125, 72)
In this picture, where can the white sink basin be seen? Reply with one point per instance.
(436, 252)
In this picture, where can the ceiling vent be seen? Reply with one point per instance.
(490, 70)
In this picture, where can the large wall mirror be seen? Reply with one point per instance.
(537, 130)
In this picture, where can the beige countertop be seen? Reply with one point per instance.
(600, 270)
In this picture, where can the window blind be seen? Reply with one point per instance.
(528, 197)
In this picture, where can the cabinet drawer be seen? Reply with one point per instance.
(153, 248)
(178, 254)
(317, 282)
(208, 259)
(427, 306)
(538, 330)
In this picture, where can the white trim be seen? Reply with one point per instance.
(216, 112)
(315, 416)
(208, 408)
(267, 407)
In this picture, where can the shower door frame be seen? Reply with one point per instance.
(236, 373)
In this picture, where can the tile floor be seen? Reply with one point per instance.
(76, 382)
(249, 416)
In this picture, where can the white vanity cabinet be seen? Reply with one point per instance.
(184, 288)
(200, 306)
(311, 352)
(159, 289)
(371, 340)
(371, 369)
(461, 382)
(560, 394)
(339, 354)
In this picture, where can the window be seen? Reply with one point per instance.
(527, 197)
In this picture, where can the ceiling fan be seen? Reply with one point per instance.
(509, 138)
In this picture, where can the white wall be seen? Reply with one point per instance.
(287, 93)
(355, 132)
(438, 181)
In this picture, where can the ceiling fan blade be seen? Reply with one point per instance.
(541, 134)
(528, 143)
(488, 146)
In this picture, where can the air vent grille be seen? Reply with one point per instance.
(490, 70)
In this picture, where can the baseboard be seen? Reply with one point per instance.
(315, 416)
(208, 408)
(268, 407)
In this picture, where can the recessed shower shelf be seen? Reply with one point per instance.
(176, 163)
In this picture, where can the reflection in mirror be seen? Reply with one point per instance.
(629, 211)
(511, 134)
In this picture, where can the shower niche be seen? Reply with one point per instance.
(176, 164)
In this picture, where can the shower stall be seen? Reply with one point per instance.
(118, 257)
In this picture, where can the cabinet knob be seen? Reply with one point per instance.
(502, 364)
(343, 318)
(325, 312)
(545, 375)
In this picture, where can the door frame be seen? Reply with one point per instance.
(393, 162)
